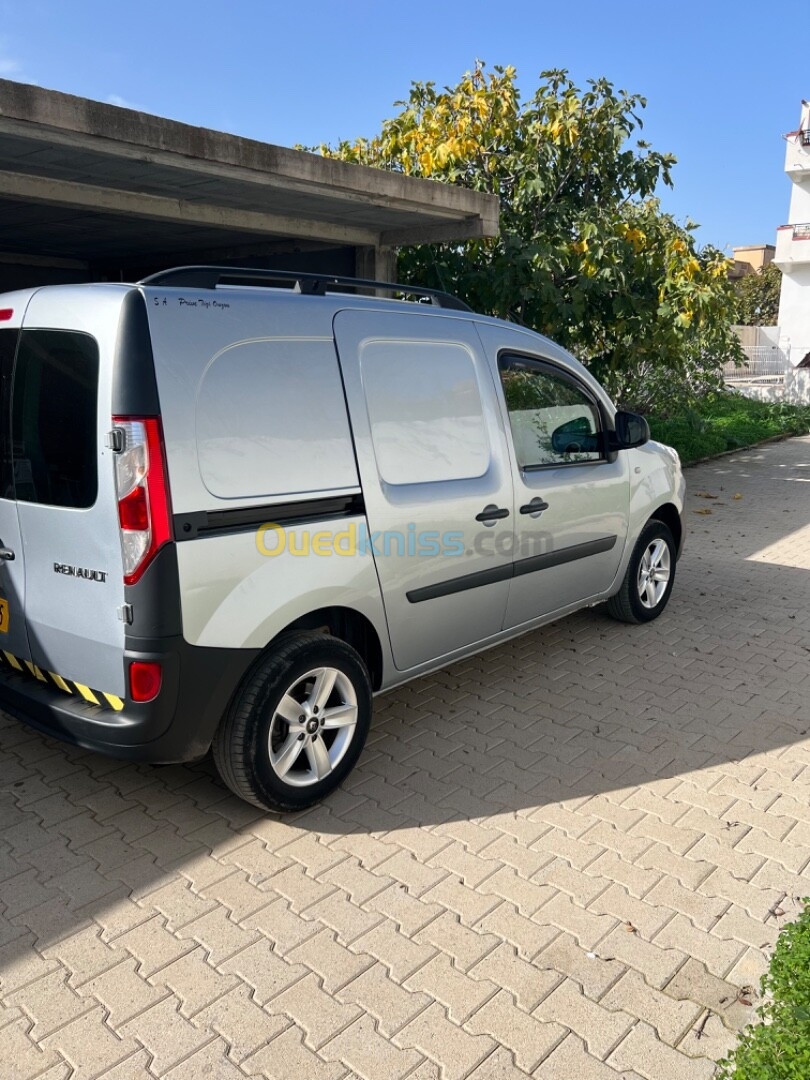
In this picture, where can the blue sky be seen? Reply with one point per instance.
(723, 80)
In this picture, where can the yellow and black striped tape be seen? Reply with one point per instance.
(93, 697)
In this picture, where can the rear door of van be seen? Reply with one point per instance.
(14, 647)
(61, 417)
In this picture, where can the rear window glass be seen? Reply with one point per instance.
(8, 343)
(53, 426)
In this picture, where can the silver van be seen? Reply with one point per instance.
(235, 504)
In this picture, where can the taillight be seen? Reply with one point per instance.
(6, 313)
(143, 493)
(145, 677)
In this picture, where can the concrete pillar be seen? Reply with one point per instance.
(376, 263)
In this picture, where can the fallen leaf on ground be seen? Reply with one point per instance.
(738, 496)
(705, 510)
(705, 495)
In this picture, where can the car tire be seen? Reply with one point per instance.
(650, 575)
(297, 725)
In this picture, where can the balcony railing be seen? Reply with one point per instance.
(763, 364)
(804, 137)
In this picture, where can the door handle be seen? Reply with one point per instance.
(6, 553)
(535, 508)
(492, 513)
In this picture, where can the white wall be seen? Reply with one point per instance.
(794, 299)
(800, 201)
(795, 389)
(794, 312)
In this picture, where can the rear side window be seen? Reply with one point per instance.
(53, 418)
(8, 344)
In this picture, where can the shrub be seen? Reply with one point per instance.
(779, 1047)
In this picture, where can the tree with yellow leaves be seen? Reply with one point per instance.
(585, 253)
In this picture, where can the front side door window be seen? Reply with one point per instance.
(552, 419)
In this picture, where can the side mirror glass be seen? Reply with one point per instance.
(575, 437)
(631, 430)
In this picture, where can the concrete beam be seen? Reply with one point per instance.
(63, 118)
(50, 261)
(472, 228)
(38, 189)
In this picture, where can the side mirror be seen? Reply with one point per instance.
(631, 430)
(575, 437)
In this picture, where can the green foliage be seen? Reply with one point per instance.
(758, 297)
(779, 1047)
(727, 421)
(585, 253)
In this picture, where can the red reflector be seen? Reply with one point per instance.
(6, 313)
(133, 511)
(145, 677)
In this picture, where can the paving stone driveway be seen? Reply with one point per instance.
(565, 858)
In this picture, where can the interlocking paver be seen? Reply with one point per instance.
(530, 1038)
(194, 982)
(211, 1061)
(526, 935)
(167, 1035)
(288, 1056)
(644, 1052)
(372, 1056)
(441, 980)
(89, 1046)
(395, 950)
(601, 1028)
(571, 1059)
(263, 970)
(551, 859)
(315, 1011)
(243, 1024)
(22, 1057)
(669, 1016)
(391, 1005)
(454, 1048)
(527, 984)
(218, 934)
(122, 992)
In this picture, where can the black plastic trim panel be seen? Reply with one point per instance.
(510, 570)
(134, 391)
(460, 584)
(208, 522)
(565, 555)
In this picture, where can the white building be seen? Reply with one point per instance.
(793, 246)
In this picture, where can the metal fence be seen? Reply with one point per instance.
(763, 364)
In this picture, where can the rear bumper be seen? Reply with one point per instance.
(177, 726)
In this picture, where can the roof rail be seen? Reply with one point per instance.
(209, 277)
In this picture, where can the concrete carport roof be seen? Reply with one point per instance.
(90, 189)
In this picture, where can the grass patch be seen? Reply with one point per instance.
(728, 421)
(779, 1047)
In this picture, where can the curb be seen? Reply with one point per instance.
(743, 449)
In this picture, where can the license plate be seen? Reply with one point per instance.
(4, 616)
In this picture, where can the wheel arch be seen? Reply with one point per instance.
(350, 626)
(668, 514)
